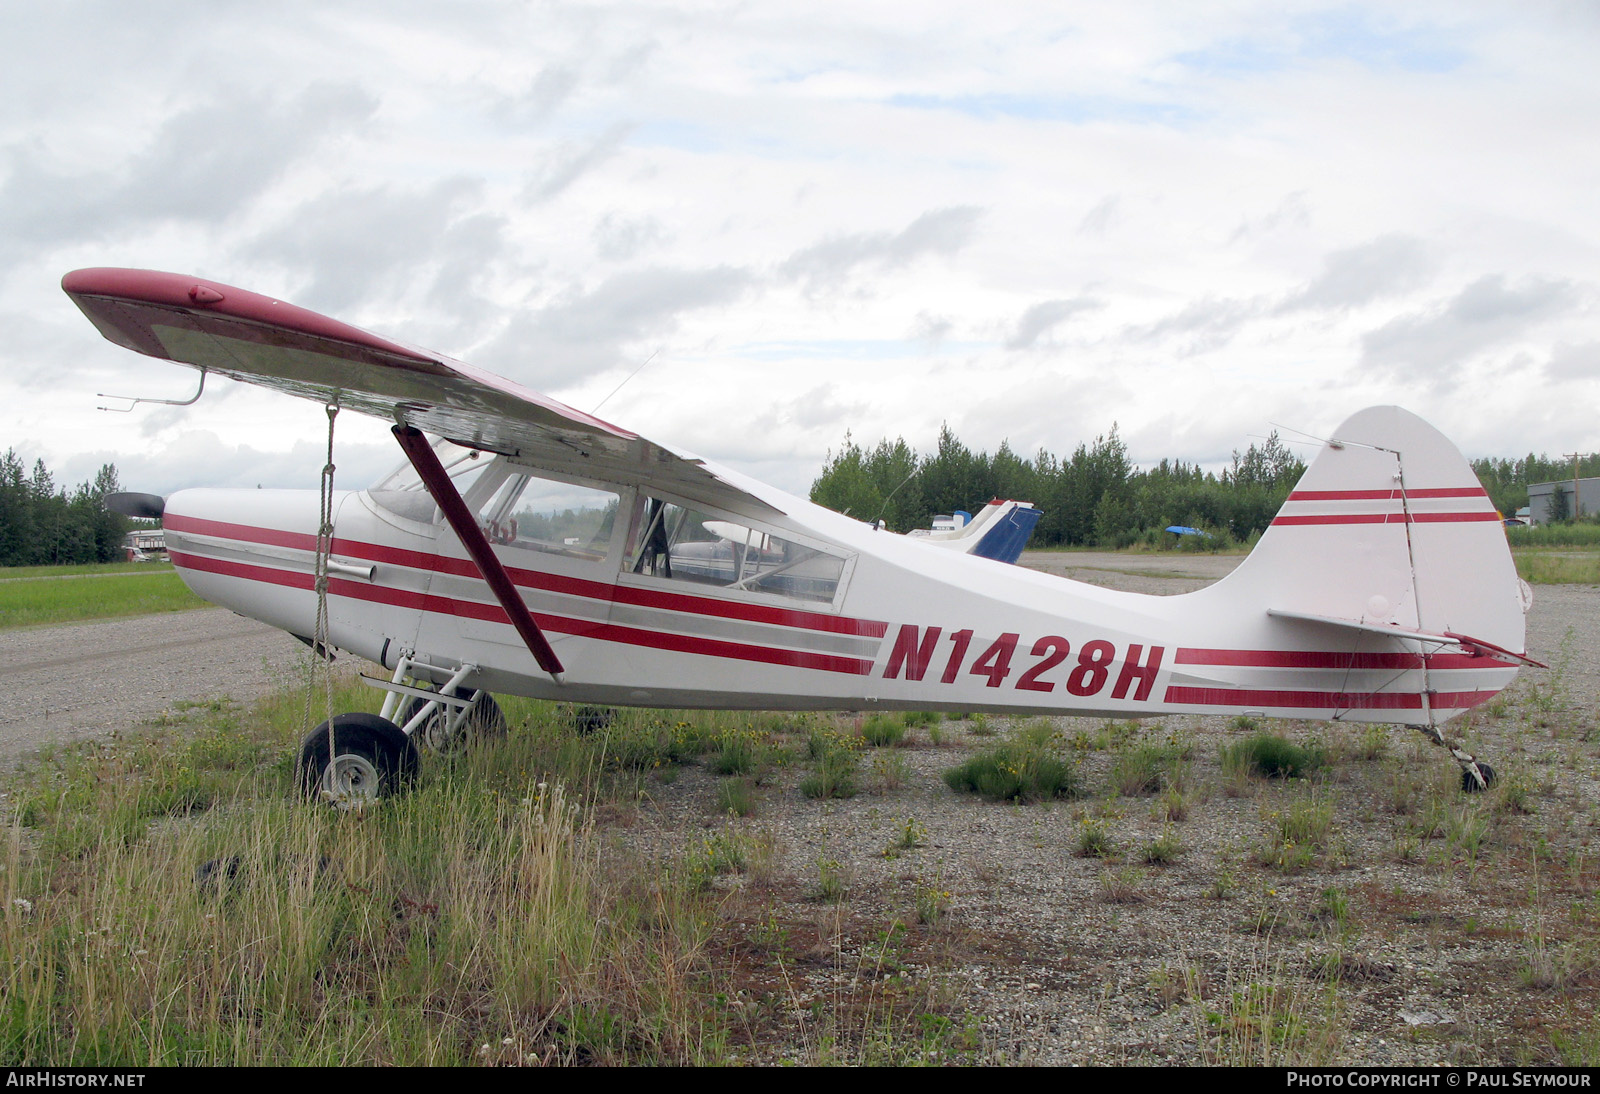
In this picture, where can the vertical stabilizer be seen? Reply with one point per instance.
(1390, 525)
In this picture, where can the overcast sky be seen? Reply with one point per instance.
(1028, 220)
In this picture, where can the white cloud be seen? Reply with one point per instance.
(1191, 221)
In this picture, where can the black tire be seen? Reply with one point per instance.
(371, 759)
(486, 722)
(1469, 785)
(587, 720)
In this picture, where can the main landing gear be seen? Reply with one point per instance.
(353, 760)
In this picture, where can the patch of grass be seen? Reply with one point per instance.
(1584, 533)
(739, 752)
(1260, 1017)
(1124, 885)
(909, 834)
(67, 599)
(891, 769)
(836, 763)
(1172, 805)
(1334, 905)
(1150, 766)
(1270, 756)
(832, 883)
(1558, 967)
(1163, 850)
(459, 916)
(1094, 838)
(1027, 767)
(1558, 567)
(16, 573)
(736, 797)
(1374, 744)
(1296, 833)
(932, 902)
(883, 730)
(713, 856)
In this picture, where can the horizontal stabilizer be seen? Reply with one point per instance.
(1475, 647)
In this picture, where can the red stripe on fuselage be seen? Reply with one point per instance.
(493, 613)
(1323, 700)
(536, 579)
(1319, 659)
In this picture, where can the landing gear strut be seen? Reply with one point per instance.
(1476, 776)
(434, 706)
(450, 731)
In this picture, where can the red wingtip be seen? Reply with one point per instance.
(187, 293)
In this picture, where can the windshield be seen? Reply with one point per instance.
(401, 490)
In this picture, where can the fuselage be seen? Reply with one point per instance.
(809, 611)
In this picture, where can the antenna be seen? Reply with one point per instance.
(134, 401)
(879, 522)
(624, 383)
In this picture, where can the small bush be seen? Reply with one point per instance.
(835, 776)
(736, 796)
(1163, 850)
(883, 730)
(1094, 841)
(1273, 757)
(1025, 768)
(740, 752)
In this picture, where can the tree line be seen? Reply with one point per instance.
(1096, 496)
(43, 526)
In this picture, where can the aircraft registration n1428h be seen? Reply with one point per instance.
(531, 549)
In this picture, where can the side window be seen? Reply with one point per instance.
(672, 541)
(530, 513)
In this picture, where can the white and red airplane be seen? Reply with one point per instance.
(535, 550)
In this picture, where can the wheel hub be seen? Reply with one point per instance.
(351, 781)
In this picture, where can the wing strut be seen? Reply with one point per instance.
(426, 461)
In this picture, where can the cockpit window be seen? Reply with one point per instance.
(402, 493)
(672, 541)
(538, 514)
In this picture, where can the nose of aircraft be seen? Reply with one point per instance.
(252, 551)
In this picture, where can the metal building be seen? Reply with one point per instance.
(1541, 498)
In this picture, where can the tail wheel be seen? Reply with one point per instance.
(1470, 785)
(370, 759)
(484, 721)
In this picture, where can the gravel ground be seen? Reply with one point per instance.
(1461, 930)
(87, 679)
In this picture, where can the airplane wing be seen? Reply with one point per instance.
(256, 339)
